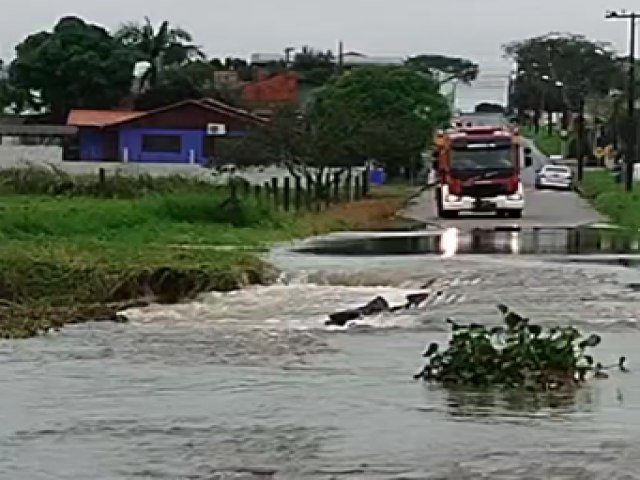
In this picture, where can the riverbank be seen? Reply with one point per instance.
(72, 258)
(610, 199)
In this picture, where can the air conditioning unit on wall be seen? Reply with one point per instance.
(216, 129)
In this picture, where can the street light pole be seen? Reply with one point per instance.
(580, 140)
(632, 142)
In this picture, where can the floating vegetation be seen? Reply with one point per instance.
(517, 354)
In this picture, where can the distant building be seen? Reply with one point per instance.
(356, 58)
(272, 90)
(226, 79)
(266, 58)
(348, 58)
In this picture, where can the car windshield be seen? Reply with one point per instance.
(556, 169)
(482, 158)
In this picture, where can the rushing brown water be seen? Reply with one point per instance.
(251, 385)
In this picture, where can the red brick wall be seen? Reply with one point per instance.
(277, 89)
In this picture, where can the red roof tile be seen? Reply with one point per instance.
(100, 118)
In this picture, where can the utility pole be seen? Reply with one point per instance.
(632, 141)
(580, 139)
(340, 57)
(287, 55)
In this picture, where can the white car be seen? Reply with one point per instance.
(554, 176)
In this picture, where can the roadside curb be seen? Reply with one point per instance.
(578, 189)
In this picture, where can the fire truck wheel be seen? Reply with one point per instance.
(449, 214)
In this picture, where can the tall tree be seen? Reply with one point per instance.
(181, 82)
(315, 66)
(75, 65)
(562, 68)
(393, 110)
(305, 147)
(382, 113)
(165, 47)
(445, 68)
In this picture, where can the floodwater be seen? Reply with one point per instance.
(251, 385)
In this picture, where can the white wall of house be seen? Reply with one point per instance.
(12, 154)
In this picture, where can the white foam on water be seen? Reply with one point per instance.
(300, 306)
(467, 289)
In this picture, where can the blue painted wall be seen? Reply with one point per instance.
(91, 145)
(192, 140)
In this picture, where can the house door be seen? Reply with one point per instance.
(209, 149)
(111, 146)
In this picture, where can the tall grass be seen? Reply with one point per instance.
(609, 198)
(154, 217)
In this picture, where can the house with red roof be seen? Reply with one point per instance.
(192, 131)
(278, 89)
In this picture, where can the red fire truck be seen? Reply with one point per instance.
(478, 170)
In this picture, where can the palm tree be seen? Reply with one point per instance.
(167, 46)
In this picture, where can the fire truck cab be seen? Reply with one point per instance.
(478, 170)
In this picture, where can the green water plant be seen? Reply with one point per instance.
(516, 354)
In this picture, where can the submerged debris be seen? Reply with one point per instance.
(376, 306)
(518, 354)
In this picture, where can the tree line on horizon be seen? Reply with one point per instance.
(82, 65)
(382, 113)
(585, 81)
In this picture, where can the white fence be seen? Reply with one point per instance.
(253, 175)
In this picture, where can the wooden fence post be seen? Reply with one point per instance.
(317, 197)
(365, 182)
(257, 191)
(286, 193)
(309, 193)
(298, 193)
(233, 194)
(356, 188)
(274, 191)
(102, 176)
(336, 188)
(267, 191)
(348, 185)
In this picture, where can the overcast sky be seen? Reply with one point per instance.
(472, 28)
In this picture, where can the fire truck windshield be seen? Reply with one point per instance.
(478, 158)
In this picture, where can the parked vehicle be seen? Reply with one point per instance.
(478, 170)
(554, 176)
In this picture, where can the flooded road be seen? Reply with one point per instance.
(251, 385)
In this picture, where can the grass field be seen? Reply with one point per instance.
(610, 198)
(76, 255)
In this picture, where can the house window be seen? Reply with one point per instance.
(162, 143)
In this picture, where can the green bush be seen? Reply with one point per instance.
(205, 208)
(519, 354)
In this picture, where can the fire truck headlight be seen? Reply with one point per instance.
(515, 196)
(453, 198)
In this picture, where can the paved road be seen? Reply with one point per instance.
(543, 208)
